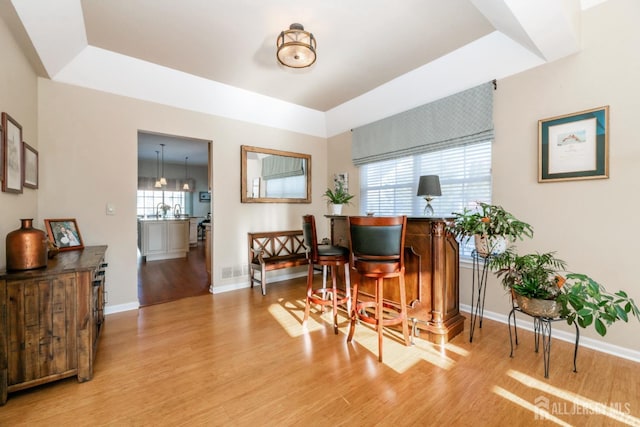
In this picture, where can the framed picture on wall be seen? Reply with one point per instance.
(12, 155)
(64, 233)
(30, 176)
(204, 196)
(1, 155)
(574, 146)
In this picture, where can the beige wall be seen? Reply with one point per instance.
(18, 98)
(339, 161)
(588, 223)
(89, 158)
(582, 220)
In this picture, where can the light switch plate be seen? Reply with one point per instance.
(111, 209)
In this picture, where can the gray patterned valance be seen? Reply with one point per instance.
(460, 119)
(281, 167)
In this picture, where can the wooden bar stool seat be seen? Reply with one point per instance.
(377, 252)
(328, 257)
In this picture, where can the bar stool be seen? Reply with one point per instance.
(377, 252)
(327, 256)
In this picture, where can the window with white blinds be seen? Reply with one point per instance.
(292, 186)
(389, 187)
(148, 201)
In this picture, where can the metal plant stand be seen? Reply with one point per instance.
(541, 326)
(479, 283)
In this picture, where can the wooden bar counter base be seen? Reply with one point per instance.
(432, 279)
(50, 320)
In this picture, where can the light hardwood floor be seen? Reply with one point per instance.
(241, 359)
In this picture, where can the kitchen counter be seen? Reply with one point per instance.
(163, 238)
(169, 218)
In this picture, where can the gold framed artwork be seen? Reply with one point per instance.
(574, 146)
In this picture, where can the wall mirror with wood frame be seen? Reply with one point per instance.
(274, 176)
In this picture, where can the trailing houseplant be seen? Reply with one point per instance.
(491, 226)
(338, 197)
(575, 297)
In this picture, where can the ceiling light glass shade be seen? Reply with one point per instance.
(157, 184)
(163, 180)
(296, 47)
(186, 175)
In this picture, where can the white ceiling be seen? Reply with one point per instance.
(375, 57)
(361, 43)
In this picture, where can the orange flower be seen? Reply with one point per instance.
(560, 281)
(485, 219)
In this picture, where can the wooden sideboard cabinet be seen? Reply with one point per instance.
(50, 320)
(432, 279)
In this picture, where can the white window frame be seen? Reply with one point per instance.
(148, 201)
(463, 184)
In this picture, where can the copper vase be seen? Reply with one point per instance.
(27, 247)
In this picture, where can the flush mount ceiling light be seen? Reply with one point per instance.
(296, 47)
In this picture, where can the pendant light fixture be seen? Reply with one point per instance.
(157, 184)
(163, 180)
(296, 47)
(185, 187)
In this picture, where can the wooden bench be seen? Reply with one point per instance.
(273, 250)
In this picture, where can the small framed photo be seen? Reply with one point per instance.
(30, 176)
(64, 233)
(12, 155)
(204, 196)
(574, 146)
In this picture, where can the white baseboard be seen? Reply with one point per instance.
(245, 283)
(615, 350)
(110, 309)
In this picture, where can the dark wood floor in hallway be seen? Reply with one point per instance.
(172, 279)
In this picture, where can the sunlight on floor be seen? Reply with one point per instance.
(290, 314)
(540, 413)
(397, 356)
(608, 409)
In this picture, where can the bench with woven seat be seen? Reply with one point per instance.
(274, 250)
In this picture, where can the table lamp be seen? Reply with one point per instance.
(429, 187)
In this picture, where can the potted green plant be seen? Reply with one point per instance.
(338, 197)
(541, 288)
(491, 226)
